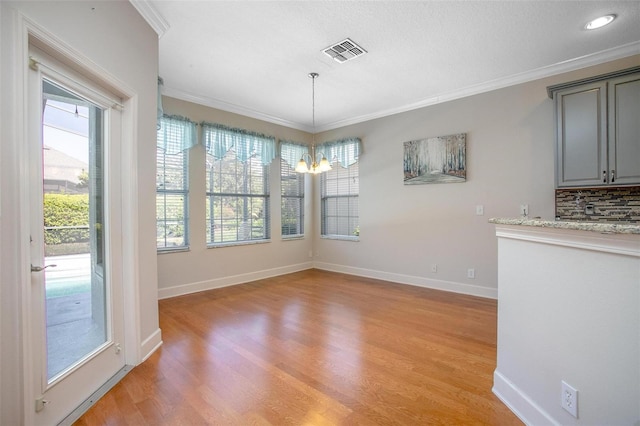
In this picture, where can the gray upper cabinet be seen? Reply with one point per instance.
(598, 130)
(581, 151)
(624, 130)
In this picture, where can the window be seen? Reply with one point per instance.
(339, 190)
(175, 136)
(237, 186)
(292, 187)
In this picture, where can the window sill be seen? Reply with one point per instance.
(173, 250)
(293, 238)
(340, 237)
(237, 243)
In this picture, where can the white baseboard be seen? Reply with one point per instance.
(520, 403)
(150, 345)
(181, 290)
(455, 287)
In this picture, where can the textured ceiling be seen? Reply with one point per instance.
(253, 57)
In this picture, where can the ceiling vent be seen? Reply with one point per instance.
(344, 51)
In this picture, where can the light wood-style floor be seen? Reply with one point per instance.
(315, 348)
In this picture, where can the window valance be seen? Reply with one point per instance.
(175, 134)
(346, 151)
(219, 139)
(292, 152)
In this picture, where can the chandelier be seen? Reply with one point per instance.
(309, 162)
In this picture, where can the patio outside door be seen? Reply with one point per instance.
(76, 289)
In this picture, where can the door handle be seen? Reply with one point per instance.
(41, 268)
(604, 176)
(613, 176)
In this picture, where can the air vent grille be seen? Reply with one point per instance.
(343, 51)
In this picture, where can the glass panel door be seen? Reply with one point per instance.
(75, 199)
(75, 288)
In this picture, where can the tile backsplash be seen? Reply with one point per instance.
(620, 204)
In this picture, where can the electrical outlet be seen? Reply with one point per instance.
(471, 273)
(524, 209)
(569, 399)
(434, 268)
(479, 210)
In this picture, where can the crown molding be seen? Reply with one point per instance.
(228, 107)
(152, 16)
(597, 58)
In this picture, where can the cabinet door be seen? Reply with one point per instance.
(624, 130)
(581, 158)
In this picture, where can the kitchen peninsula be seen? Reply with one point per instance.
(569, 310)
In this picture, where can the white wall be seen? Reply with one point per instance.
(569, 309)
(114, 38)
(202, 268)
(406, 229)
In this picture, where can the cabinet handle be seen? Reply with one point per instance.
(604, 176)
(613, 176)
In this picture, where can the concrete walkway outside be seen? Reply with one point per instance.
(71, 331)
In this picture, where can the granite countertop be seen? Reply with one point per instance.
(602, 227)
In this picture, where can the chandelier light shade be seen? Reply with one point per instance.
(309, 162)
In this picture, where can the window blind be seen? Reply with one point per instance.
(237, 185)
(292, 190)
(339, 190)
(174, 137)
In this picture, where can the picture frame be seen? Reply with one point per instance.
(439, 159)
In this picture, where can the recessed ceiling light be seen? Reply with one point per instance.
(600, 22)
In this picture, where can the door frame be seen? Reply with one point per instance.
(25, 32)
(45, 67)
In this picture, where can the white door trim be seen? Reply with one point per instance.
(22, 32)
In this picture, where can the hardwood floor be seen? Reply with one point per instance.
(315, 348)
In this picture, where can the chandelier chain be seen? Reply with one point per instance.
(309, 163)
(313, 103)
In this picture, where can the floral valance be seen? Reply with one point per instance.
(346, 151)
(175, 134)
(219, 139)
